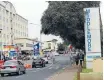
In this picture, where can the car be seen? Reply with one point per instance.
(46, 59)
(56, 54)
(38, 62)
(34, 57)
(12, 66)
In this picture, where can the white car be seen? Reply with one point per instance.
(34, 57)
(12, 66)
(56, 54)
(46, 60)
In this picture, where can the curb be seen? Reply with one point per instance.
(57, 73)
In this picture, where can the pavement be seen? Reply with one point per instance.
(61, 62)
(65, 74)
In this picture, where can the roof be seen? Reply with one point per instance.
(22, 17)
(25, 38)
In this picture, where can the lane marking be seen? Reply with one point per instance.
(50, 67)
(57, 67)
(42, 68)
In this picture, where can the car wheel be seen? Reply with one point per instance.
(44, 65)
(47, 62)
(9, 74)
(35, 66)
(32, 66)
(24, 72)
(2, 75)
(19, 72)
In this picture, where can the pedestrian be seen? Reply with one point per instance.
(81, 58)
(72, 59)
(77, 59)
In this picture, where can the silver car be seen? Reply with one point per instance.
(12, 66)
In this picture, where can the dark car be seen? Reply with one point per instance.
(38, 62)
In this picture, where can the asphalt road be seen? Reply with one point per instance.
(42, 73)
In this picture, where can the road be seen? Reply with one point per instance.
(42, 73)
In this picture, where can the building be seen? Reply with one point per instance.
(12, 25)
(25, 44)
(50, 45)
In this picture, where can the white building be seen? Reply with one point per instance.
(49, 45)
(12, 25)
(25, 44)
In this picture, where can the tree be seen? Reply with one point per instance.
(66, 19)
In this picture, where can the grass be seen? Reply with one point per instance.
(84, 70)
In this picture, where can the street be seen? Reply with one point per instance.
(42, 73)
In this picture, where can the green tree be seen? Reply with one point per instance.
(66, 19)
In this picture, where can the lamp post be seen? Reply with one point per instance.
(1, 44)
(39, 31)
(40, 49)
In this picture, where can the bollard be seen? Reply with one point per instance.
(78, 72)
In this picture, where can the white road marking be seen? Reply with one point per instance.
(42, 68)
(50, 67)
(18, 76)
(57, 67)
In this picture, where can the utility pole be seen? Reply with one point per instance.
(1, 44)
(101, 33)
(40, 42)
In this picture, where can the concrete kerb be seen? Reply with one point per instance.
(57, 73)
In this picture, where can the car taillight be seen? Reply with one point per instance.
(13, 67)
(2, 67)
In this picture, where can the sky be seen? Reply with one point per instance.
(33, 10)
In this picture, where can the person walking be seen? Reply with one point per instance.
(77, 59)
(81, 58)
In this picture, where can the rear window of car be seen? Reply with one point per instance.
(10, 62)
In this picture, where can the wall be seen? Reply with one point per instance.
(24, 41)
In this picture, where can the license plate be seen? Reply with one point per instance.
(7, 67)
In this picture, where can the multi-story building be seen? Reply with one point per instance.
(12, 25)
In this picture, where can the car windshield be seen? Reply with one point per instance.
(9, 62)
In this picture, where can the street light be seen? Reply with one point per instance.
(1, 44)
(40, 38)
(40, 29)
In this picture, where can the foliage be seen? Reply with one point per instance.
(66, 19)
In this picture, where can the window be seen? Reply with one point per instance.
(4, 36)
(7, 36)
(0, 17)
(7, 12)
(20, 44)
(3, 18)
(29, 45)
(7, 20)
(0, 8)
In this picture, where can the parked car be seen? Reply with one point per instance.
(38, 62)
(45, 59)
(56, 54)
(12, 66)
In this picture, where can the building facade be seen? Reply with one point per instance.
(12, 25)
(25, 44)
(49, 45)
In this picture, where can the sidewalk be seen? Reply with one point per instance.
(66, 74)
